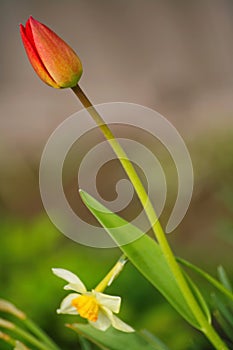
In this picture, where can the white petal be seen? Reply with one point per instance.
(120, 325)
(66, 305)
(103, 322)
(113, 303)
(117, 323)
(72, 286)
(74, 282)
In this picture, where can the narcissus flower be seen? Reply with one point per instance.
(96, 307)
(52, 59)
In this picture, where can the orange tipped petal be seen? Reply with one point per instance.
(60, 61)
(52, 59)
(34, 57)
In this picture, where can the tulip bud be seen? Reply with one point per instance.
(52, 59)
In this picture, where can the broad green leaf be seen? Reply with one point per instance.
(144, 253)
(113, 339)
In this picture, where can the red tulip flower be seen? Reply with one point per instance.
(52, 59)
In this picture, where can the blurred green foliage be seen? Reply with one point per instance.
(29, 248)
(28, 252)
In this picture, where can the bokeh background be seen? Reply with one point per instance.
(173, 56)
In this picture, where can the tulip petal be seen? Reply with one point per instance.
(66, 305)
(28, 31)
(74, 282)
(112, 303)
(103, 322)
(60, 60)
(34, 57)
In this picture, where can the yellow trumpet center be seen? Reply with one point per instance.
(87, 307)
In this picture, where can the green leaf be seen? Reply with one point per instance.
(113, 339)
(224, 324)
(223, 314)
(84, 343)
(144, 253)
(223, 308)
(199, 297)
(151, 337)
(224, 278)
(223, 288)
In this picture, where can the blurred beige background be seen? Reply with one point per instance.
(173, 56)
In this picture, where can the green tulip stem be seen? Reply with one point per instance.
(206, 328)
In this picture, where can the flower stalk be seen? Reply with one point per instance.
(112, 274)
(206, 328)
